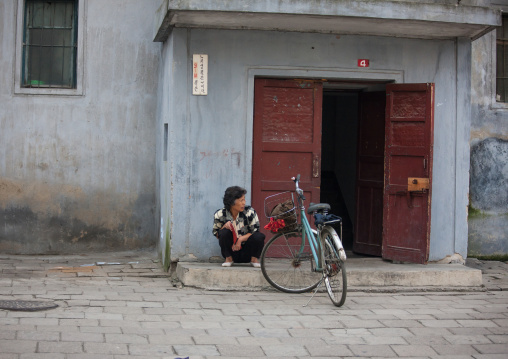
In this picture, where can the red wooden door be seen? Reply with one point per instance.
(370, 174)
(287, 139)
(408, 171)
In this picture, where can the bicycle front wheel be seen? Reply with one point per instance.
(335, 270)
(287, 263)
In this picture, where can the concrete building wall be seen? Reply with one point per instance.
(77, 172)
(210, 145)
(488, 198)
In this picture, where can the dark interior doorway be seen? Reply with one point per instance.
(342, 110)
(338, 157)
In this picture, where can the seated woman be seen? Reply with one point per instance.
(237, 228)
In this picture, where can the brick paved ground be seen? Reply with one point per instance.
(124, 305)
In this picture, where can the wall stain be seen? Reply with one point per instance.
(41, 218)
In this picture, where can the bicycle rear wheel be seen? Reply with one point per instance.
(287, 263)
(335, 270)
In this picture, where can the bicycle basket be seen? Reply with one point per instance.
(281, 206)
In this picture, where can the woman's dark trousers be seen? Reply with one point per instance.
(252, 247)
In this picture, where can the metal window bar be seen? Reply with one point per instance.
(41, 59)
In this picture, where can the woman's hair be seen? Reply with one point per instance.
(232, 194)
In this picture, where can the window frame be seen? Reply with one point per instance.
(20, 28)
(494, 104)
(495, 56)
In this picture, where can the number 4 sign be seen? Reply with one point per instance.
(363, 63)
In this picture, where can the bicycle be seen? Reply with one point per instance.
(299, 259)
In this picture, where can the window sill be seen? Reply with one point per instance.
(499, 105)
(48, 91)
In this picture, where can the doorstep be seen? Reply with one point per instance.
(364, 273)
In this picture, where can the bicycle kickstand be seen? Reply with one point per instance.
(315, 291)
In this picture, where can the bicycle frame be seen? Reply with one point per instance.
(314, 243)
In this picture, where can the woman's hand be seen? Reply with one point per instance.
(241, 239)
(227, 225)
(237, 246)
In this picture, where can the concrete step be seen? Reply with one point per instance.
(362, 274)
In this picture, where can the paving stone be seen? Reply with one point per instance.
(306, 341)
(193, 350)
(170, 325)
(4, 334)
(498, 339)
(391, 332)
(427, 340)
(145, 304)
(502, 322)
(377, 340)
(492, 348)
(142, 331)
(430, 331)
(413, 350)
(238, 351)
(214, 340)
(17, 346)
(269, 333)
(459, 349)
(351, 339)
(127, 338)
(440, 323)
(372, 350)
(316, 333)
(240, 324)
(100, 329)
(105, 348)
(401, 323)
(327, 350)
(357, 323)
(42, 356)
(477, 323)
(467, 339)
(38, 335)
(118, 323)
(97, 316)
(90, 356)
(470, 331)
(284, 350)
(79, 322)
(61, 347)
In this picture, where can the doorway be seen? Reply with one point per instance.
(352, 162)
(338, 159)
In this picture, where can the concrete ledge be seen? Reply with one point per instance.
(363, 273)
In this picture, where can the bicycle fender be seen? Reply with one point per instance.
(338, 244)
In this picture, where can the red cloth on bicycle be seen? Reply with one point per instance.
(274, 226)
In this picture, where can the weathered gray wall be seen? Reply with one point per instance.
(210, 137)
(77, 173)
(488, 205)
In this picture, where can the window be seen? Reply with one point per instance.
(49, 50)
(502, 62)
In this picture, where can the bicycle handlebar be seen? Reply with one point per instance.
(299, 191)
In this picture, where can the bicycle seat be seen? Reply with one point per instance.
(318, 207)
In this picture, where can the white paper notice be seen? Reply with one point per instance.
(199, 74)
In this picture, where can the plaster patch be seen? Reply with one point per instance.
(452, 259)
